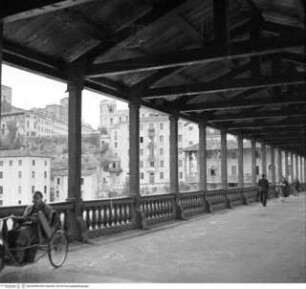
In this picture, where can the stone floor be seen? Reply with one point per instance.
(246, 244)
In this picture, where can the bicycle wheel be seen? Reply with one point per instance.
(58, 249)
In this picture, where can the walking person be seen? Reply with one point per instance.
(263, 189)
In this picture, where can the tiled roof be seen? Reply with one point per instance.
(21, 153)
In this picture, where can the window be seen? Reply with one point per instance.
(152, 164)
(141, 127)
(57, 194)
(161, 151)
(19, 202)
(20, 162)
(190, 128)
(180, 163)
(141, 164)
(161, 138)
(19, 174)
(151, 179)
(190, 143)
(33, 189)
(141, 176)
(19, 190)
(1, 163)
(111, 120)
(1, 190)
(11, 163)
(45, 174)
(161, 126)
(33, 162)
(33, 174)
(181, 175)
(180, 150)
(45, 189)
(232, 155)
(180, 137)
(82, 181)
(141, 139)
(234, 171)
(141, 152)
(161, 175)
(1, 175)
(58, 181)
(161, 164)
(257, 170)
(213, 172)
(257, 154)
(116, 145)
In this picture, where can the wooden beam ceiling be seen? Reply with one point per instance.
(223, 105)
(232, 85)
(195, 56)
(14, 10)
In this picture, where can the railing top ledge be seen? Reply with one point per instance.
(117, 200)
(158, 196)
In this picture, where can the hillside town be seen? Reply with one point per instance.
(34, 151)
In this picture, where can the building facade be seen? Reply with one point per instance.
(22, 173)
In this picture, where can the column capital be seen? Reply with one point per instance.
(174, 115)
(73, 85)
(134, 101)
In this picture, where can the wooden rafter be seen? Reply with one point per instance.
(233, 85)
(13, 10)
(195, 56)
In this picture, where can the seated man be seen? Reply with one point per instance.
(26, 232)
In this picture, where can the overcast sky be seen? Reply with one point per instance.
(30, 90)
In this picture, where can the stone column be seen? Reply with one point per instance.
(76, 224)
(138, 217)
(264, 159)
(240, 161)
(301, 169)
(273, 178)
(253, 162)
(174, 182)
(1, 61)
(286, 167)
(224, 180)
(291, 168)
(202, 158)
(297, 166)
(279, 161)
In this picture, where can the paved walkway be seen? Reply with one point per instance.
(246, 244)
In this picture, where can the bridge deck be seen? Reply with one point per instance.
(246, 244)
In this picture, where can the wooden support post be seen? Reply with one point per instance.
(240, 161)
(279, 163)
(286, 167)
(77, 228)
(273, 178)
(240, 168)
(253, 162)
(174, 184)
(203, 165)
(264, 159)
(138, 218)
(1, 61)
(224, 180)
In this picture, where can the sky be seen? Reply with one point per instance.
(31, 90)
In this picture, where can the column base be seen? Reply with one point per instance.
(77, 230)
(228, 203)
(243, 198)
(179, 209)
(139, 218)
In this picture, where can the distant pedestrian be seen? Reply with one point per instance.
(296, 187)
(263, 189)
(284, 188)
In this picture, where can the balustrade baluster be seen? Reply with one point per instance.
(104, 221)
(115, 214)
(111, 218)
(87, 218)
(94, 218)
(99, 218)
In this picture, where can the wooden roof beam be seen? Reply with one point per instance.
(13, 10)
(260, 126)
(291, 113)
(223, 105)
(232, 85)
(195, 56)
